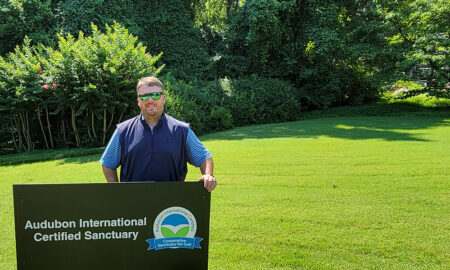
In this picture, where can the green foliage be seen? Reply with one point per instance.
(201, 105)
(21, 94)
(426, 100)
(83, 87)
(331, 51)
(169, 28)
(78, 15)
(100, 71)
(317, 54)
(162, 26)
(20, 18)
(21, 79)
(410, 85)
(219, 105)
(257, 100)
(211, 13)
(422, 29)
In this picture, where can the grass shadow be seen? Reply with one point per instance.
(81, 159)
(80, 155)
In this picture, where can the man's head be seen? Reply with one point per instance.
(149, 81)
(151, 97)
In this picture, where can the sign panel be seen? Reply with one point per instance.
(112, 226)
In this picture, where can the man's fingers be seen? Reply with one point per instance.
(209, 182)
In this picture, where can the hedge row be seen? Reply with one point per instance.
(222, 104)
(74, 95)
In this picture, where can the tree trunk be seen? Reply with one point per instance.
(120, 118)
(19, 141)
(25, 131)
(28, 131)
(13, 136)
(42, 127)
(89, 129)
(105, 129)
(74, 127)
(104, 126)
(49, 129)
(231, 5)
(63, 127)
(110, 121)
(92, 124)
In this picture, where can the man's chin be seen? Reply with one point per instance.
(151, 113)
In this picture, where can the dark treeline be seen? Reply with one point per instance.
(225, 62)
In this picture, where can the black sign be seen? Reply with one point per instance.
(112, 226)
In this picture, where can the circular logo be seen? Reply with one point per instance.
(175, 222)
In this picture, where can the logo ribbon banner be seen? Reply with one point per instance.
(174, 242)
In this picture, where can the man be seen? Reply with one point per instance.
(154, 146)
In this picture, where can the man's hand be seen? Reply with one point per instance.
(209, 181)
(207, 168)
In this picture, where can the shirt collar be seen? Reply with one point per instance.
(163, 116)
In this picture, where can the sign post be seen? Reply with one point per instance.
(112, 226)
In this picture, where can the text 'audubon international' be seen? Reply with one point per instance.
(47, 226)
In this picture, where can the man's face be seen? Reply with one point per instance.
(151, 107)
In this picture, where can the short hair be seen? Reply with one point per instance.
(149, 81)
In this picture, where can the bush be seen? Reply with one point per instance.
(22, 96)
(97, 77)
(221, 104)
(167, 26)
(200, 104)
(20, 18)
(257, 100)
(75, 93)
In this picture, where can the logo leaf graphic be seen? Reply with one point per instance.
(175, 231)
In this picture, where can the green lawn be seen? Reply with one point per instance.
(329, 193)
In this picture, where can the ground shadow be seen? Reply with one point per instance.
(81, 159)
(389, 128)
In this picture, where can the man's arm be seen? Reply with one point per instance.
(111, 158)
(110, 174)
(207, 168)
(200, 157)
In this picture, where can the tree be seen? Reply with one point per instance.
(333, 51)
(20, 18)
(421, 29)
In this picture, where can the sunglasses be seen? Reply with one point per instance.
(154, 96)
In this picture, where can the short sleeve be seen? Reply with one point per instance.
(111, 156)
(196, 151)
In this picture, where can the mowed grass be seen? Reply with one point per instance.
(330, 193)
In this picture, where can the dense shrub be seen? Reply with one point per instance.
(32, 18)
(257, 100)
(334, 52)
(167, 26)
(22, 96)
(201, 105)
(221, 104)
(77, 15)
(163, 26)
(75, 93)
